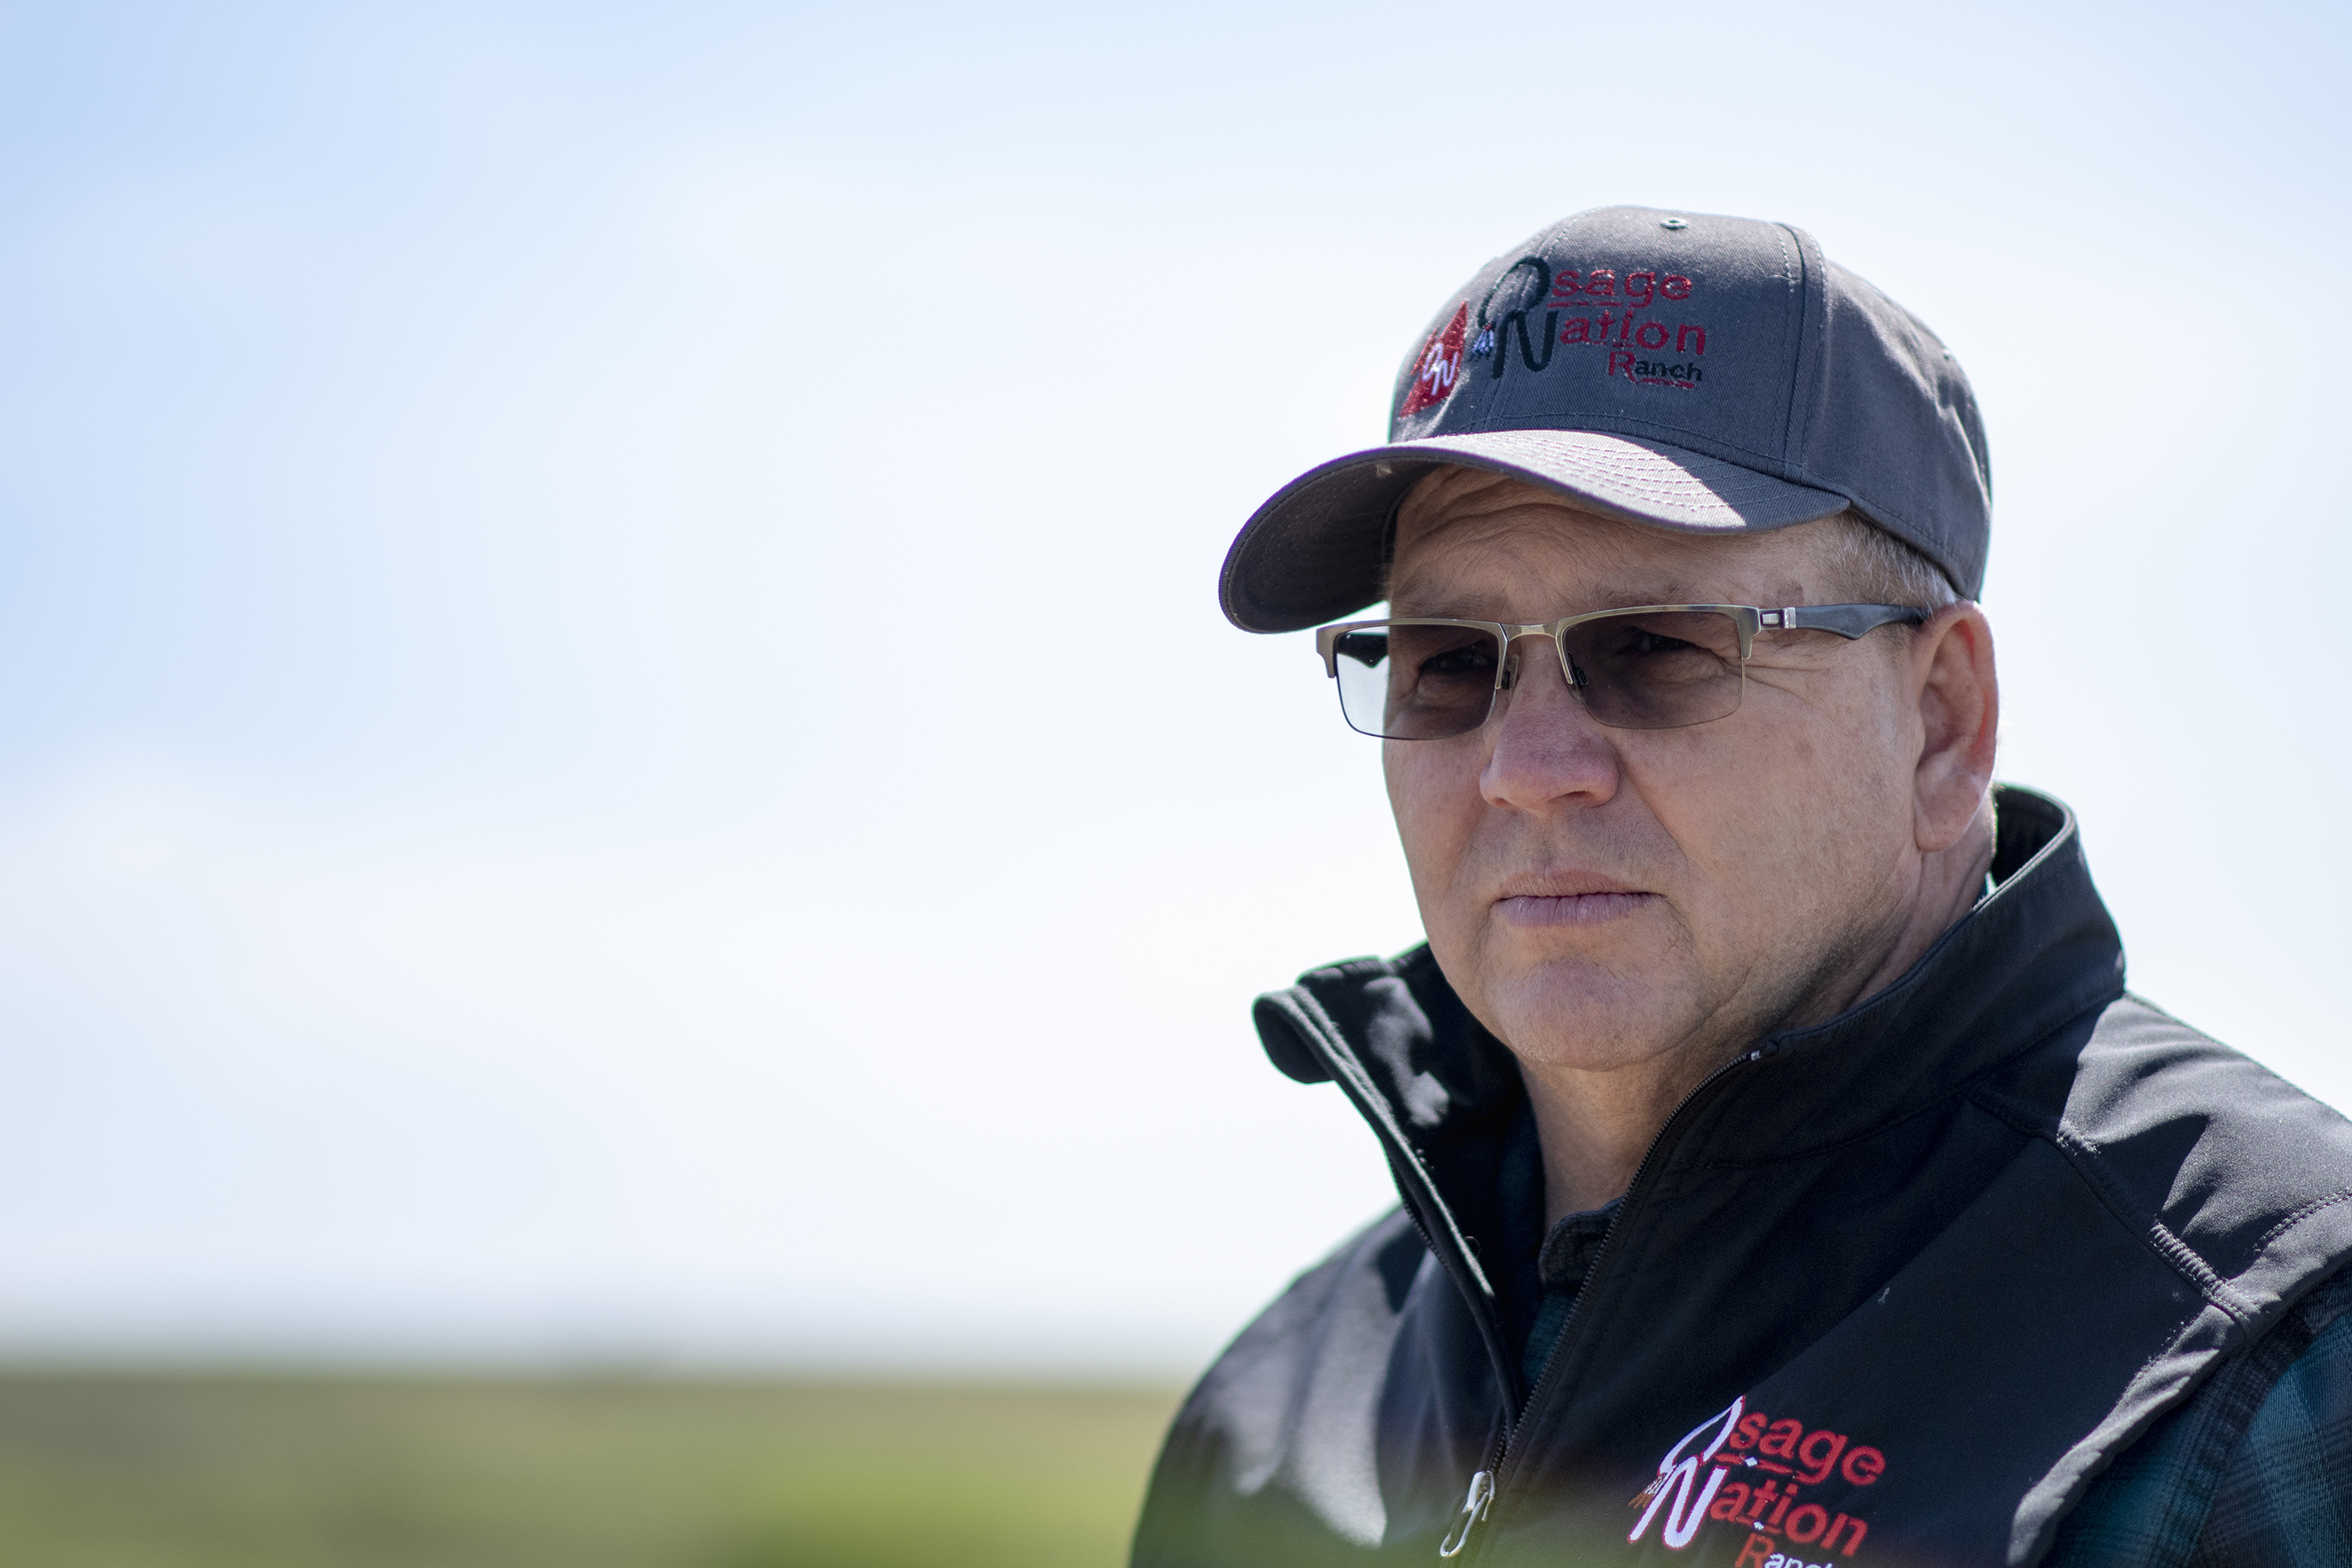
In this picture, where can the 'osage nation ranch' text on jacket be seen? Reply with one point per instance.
(1895, 1289)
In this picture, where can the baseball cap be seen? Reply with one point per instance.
(1694, 373)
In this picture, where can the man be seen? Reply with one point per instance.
(1787, 1177)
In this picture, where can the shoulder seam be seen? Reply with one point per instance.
(2085, 1157)
(2301, 1212)
(2082, 1157)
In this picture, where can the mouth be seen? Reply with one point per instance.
(1570, 901)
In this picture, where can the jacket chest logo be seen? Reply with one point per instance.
(1745, 1469)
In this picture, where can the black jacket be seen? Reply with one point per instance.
(1891, 1289)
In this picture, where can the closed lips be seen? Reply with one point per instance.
(1569, 909)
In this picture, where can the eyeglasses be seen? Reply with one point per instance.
(1647, 666)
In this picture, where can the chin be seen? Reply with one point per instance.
(1577, 1013)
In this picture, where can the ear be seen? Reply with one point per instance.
(1958, 693)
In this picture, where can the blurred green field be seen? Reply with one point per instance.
(146, 1471)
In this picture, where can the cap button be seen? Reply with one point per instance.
(1674, 223)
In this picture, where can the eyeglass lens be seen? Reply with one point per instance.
(1643, 670)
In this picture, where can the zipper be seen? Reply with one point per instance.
(1487, 1483)
(1473, 1508)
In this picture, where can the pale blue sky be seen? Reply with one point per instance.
(493, 500)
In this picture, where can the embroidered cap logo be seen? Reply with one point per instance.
(1440, 366)
(1678, 1472)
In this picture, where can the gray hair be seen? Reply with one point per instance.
(1874, 567)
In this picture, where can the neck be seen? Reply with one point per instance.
(1595, 1127)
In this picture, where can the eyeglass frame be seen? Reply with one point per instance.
(1848, 621)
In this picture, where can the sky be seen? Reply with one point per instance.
(615, 745)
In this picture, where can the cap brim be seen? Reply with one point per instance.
(1314, 552)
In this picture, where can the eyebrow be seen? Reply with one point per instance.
(1607, 597)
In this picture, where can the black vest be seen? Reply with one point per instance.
(1892, 1290)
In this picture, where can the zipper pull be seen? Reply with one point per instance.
(1473, 1508)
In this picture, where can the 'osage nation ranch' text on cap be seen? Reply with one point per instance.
(1692, 373)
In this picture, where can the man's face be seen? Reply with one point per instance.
(1603, 898)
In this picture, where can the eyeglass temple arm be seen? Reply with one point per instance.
(1846, 620)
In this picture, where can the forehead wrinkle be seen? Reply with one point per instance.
(1454, 604)
(1451, 499)
(1457, 509)
(1454, 488)
(1518, 532)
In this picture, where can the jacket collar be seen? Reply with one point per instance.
(1441, 1093)
(2039, 950)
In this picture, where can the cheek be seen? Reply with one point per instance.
(1433, 795)
(1848, 778)
(1769, 807)
(1798, 809)
(1717, 806)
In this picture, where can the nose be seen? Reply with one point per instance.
(1544, 750)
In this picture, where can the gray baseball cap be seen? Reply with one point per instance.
(1700, 374)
